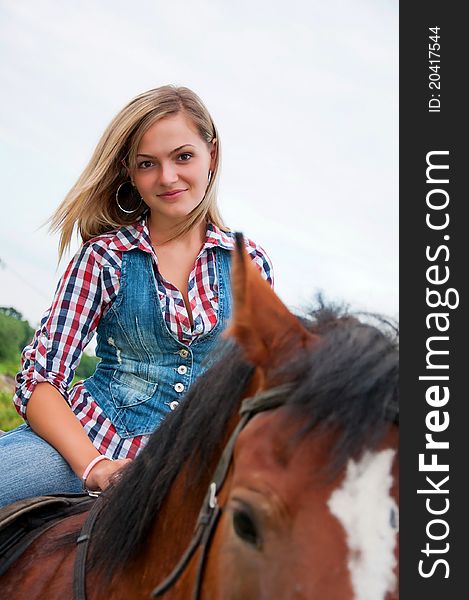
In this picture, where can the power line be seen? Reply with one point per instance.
(4, 265)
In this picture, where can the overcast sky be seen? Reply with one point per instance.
(304, 94)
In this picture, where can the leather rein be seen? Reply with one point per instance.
(208, 515)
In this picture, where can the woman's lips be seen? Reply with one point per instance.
(171, 195)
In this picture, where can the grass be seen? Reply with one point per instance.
(9, 418)
(10, 367)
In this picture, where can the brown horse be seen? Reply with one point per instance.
(304, 502)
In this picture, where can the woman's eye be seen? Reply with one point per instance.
(185, 156)
(145, 164)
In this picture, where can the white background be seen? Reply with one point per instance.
(304, 94)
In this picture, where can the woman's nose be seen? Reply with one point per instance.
(168, 174)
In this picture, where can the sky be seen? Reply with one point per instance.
(303, 93)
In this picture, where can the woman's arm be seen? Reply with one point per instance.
(51, 417)
(65, 329)
(49, 363)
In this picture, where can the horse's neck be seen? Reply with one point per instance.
(171, 534)
(173, 528)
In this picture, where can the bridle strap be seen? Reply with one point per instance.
(79, 580)
(210, 511)
(265, 400)
(167, 583)
(206, 518)
(205, 543)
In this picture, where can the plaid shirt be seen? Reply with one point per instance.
(85, 293)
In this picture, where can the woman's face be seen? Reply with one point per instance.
(173, 162)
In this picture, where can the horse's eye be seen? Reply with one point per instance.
(245, 528)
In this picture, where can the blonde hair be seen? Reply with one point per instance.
(90, 205)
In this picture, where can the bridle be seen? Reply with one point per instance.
(209, 513)
(211, 510)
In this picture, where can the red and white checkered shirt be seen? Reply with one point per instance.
(84, 294)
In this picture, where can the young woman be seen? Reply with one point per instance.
(151, 279)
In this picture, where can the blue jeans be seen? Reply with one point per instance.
(29, 466)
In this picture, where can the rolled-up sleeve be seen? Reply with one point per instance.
(65, 330)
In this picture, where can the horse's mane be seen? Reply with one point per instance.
(192, 433)
(347, 382)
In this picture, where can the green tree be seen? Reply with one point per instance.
(9, 311)
(87, 366)
(15, 333)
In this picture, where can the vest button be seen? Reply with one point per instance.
(182, 369)
(183, 353)
(179, 387)
(173, 405)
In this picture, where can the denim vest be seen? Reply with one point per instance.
(145, 370)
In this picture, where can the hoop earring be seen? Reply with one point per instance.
(132, 193)
(209, 176)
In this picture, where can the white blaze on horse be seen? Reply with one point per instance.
(277, 478)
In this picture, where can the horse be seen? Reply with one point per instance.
(276, 478)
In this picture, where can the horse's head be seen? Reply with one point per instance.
(310, 507)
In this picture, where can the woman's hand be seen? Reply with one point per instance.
(104, 472)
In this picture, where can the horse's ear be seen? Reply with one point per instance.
(261, 323)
